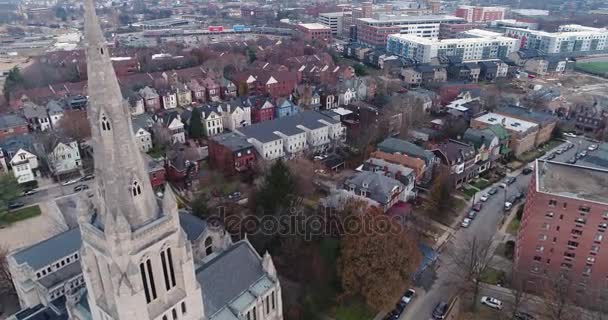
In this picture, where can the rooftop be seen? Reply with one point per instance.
(471, 36)
(383, 18)
(50, 250)
(573, 181)
(507, 122)
(265, 131)
(232, 141)
(313, 26)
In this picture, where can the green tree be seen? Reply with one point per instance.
(360, 70)
(196, 130)
(557, 133)
(376, 262)
(199, 206)
(277, 190)
(251, 54)
(9, 190)
(439, 202)
(13, 80)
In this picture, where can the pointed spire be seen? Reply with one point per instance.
(124, 189)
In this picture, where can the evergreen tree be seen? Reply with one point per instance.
(13, 80)
(9, 190)
(196, 129)
(276, 192)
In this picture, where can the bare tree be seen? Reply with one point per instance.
(557, 293)
(518, 291)
(472, 260)
(6, 280)
(74, 124)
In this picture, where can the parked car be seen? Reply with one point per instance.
(30, 192)
(234, 196)
(583, 153)
(477, 207)
(440, 310)
(560, 151)
(69, 182)
(491, 302)
(571, 160)
(508, 205)
(484, 197)
(471, 215)
(527, 171)
(520, 195)
(88, 177)
(391, 315)
(570, 135)
(592, 147)
(466, 223)
(551, 156)
(523, 316)
(492, 191)
(408, 296)
(569, 146)
(80, 187)
(15, 205)
(510, 180)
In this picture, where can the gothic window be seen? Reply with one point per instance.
(208, 246)
(151, 279)
(101, 50)
(105, 123)
(142, 271)
(163, 260)
(183, 307)
(136, 189)
(168, 272)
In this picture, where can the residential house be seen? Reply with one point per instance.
(504, 139)
(231, 153)
(289, 136)
(396, 171)
(545, 121)
(199, 93)
(168, 98)
(211, 118)
(212, 89)
(493, 69)
(468, 72)
(590, 119)
(285, 107)
(227, 89)
(273, 83)
(36, 116)
(19, 150)
(424, 74)
(466, 105)
(329, 98)
(307, 97)
(12, 125)
(419, 97)
(486, 144)
(63, 156)
(262, 109)
(417, 165)
(55, 111)
(183, 163)
(156, 171)
(184, 94)
(402, 147)
(235, 114)
(173, 122)
(142, 125)
(136, 103)
(152, 101)
(459, 160)
(384, 190)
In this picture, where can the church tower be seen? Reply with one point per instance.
(136, 259)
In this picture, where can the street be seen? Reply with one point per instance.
(483, 227)
(52, 191)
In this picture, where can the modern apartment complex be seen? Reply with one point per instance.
(480, 14)
(472, 46)
(563, 227)
(374, 31)
(570, 39)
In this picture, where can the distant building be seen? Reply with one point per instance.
(315, 31)
(334, 21)
(570, 39)
(401, 147)
(480, 14)
(231, 153)
(11, 125)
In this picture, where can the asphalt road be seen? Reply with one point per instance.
(52, 192)
(483, 227)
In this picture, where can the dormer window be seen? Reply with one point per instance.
(136, 189)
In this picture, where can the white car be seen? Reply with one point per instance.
(466, 223)
(492, 302)
(508, 205)
(570, 135)
(69, 182)
(592, 147)
(484, 197)
(408, 296)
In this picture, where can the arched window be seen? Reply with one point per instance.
(208, 246)
(136, 189)
(105, 123)
(101, 50)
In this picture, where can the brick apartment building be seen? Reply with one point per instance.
(314, 31)
(480, 14)
(231, 153)
(563, 228)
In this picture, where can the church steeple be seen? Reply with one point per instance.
(123, 186)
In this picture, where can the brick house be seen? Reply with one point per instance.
(12, 125)
(156, 171)
(231, 153)
(262, 109)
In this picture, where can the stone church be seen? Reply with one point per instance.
(134, 255)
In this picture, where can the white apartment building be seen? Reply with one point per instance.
(291, 135)
(572, 38)
(333, 20)
(474, 45)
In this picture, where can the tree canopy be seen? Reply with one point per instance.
(439, 202)
(13, 80)
(277, 189)
(196, 129)
(377, 264)
(9, 190)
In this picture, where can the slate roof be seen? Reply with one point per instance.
(193, 226)
(32, 110)
(12, 144)
(527, 114)
(232, 141)
(54, 107)
(229, 275)
(393, 145)
(69, 271)
(264, 131)
(143, 121)
(454, 151)
(378, 185)
(478, 137)
(11, 120)
(50, 250)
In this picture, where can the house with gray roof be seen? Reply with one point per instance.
(486, 144)
(291, 135)
(459, 160)
(55, 110)
(399, 146)
(375, 185)
(36, 116)
(396, 171)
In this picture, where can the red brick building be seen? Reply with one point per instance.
(231, 153)
(261, 109)
(314, 31)
(480, 14)
(12, 125)
(156, 171)
(563, 229)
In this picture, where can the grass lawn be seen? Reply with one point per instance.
(355, 311)
(19, 214)
(493, 276)
(481, 184)
(513, 226)
(470, 192)
(597, 67)
(530, 155)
